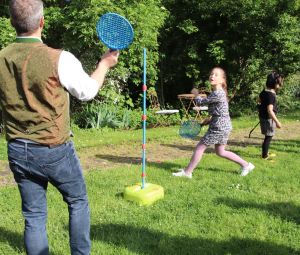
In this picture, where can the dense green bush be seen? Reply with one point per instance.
(78, 19)
(184, 40)
(247, 38)
(99, 115)
(289, 94)
(7, 32)
(154, 119)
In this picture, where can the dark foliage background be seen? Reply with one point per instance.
(185, 39)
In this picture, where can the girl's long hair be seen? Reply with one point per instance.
(273, 79)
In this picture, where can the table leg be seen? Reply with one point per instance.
(186, 108)
(198, 111)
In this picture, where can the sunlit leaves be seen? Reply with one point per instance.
(7, 32)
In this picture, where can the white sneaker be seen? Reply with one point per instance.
(182, 173)
(246, 170)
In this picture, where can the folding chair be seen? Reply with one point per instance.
(155, 105)
(199, 110)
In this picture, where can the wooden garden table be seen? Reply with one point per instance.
(188, 103)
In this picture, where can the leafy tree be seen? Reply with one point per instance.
(184, 39)
(248, 38)
(7, 32)
(72, 26)
(4, 8)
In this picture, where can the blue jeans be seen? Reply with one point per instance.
(33, 166)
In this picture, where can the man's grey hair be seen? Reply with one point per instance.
(26, 15)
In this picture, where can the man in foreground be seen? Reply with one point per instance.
(35, 82)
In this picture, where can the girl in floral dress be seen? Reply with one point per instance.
(219, 126)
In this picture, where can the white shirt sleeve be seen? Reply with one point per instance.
(75, 79)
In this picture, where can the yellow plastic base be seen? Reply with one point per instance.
(146, 196)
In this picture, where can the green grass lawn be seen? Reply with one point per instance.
(217, 212)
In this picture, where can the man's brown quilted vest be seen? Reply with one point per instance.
(34, 104)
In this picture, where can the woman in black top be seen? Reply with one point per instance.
(268, 110)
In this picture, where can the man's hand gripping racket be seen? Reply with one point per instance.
(115, 32)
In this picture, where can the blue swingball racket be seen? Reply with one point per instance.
(114, 31)
(190, 129)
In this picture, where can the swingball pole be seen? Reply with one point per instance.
(142, 193)
(144, 118)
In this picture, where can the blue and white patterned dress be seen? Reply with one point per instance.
(220, 124)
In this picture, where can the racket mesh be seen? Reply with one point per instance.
(114, 31)
(190, 129)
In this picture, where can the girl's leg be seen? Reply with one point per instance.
(197, 155)
(265, 146)
(220, 151)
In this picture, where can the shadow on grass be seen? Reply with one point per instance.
(244, 144)
(120, 159)
(244, 154)
(190, 148)
(291, 143)
(280, 145)
(141, 240)
(180, 147)
(137, 161)
(14, 240)
(220, 170)
(289, 146)
(286, 211)
(257, 141)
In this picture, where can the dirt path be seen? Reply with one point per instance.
(129, 154)
(125, 155)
